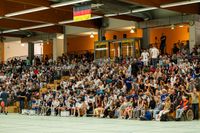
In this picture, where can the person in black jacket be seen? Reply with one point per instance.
(134, 68)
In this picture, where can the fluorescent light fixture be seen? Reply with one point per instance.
(9, 31)
(96, 17)
(26, 11)
(180, 3)
(100, 49)
(68, 3)
(36, 27)
(72, 21)
(66, 22)
(143, 9)
(124, 13)
(110, 15)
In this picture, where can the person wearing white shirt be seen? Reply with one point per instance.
(145, 57)
(154, 56)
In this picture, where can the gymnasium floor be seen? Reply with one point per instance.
(15, 123)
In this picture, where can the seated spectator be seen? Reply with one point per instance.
(182, 107)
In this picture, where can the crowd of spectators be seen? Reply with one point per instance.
(145, 88)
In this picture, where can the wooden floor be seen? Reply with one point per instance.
(15, 123)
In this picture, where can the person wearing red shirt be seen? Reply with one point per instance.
(182, 107)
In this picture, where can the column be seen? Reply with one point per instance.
(58, 46)
(194, 35)
(101, 33)
(30, 51)
(65, 40)
(145, 39)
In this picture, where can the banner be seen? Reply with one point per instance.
(81, 13)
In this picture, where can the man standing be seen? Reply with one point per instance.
(21, 96)
(154, 56)
(163, 43)
(145, 57)
(4, 101)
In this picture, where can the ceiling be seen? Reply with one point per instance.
(53, 16)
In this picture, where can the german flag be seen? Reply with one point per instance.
(82, 13)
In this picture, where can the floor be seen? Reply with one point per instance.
(15, 123)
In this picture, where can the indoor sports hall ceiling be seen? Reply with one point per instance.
(25, 17)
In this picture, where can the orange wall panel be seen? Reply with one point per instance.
(48, 49)
(1, 51)
(83, 43)
(173, 36)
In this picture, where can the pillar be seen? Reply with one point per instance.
(1, 51)
(101, 33)
(58, 46)
(145, 39)
(30, 51)
(65, 40)
(194, 35)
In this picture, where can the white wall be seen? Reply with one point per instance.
(194, 35)
(13, 47)
(38, 48)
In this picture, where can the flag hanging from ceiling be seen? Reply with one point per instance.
(82, 13)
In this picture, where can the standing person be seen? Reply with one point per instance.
(21, 96)
(154, 56)
(4, 101)
(163, 43)
(134, 68)
(145, 57)
(195, 103)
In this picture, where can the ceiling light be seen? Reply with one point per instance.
(66, 22)
(61, 36)
(110, 15)
(124, 13)
(9, 31)
(172, 26)
(72, 21)
(68, 3)
(35, 27)
(26, 11)
(132, 30)
(181, 26)
(22, 44)
(180, 3)
(92, 35)
(143, 9)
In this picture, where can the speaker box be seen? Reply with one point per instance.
(104, 22)
(114, 37)
(103, 38)
(124, 36)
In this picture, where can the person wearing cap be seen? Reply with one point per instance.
(183, 106)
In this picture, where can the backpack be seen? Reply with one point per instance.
(164, 117)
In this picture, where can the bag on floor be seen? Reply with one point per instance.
(164, 117)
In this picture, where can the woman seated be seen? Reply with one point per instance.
(99, 110)
(129, 109)
(123, 107)
(166, 109)
(61, 107)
